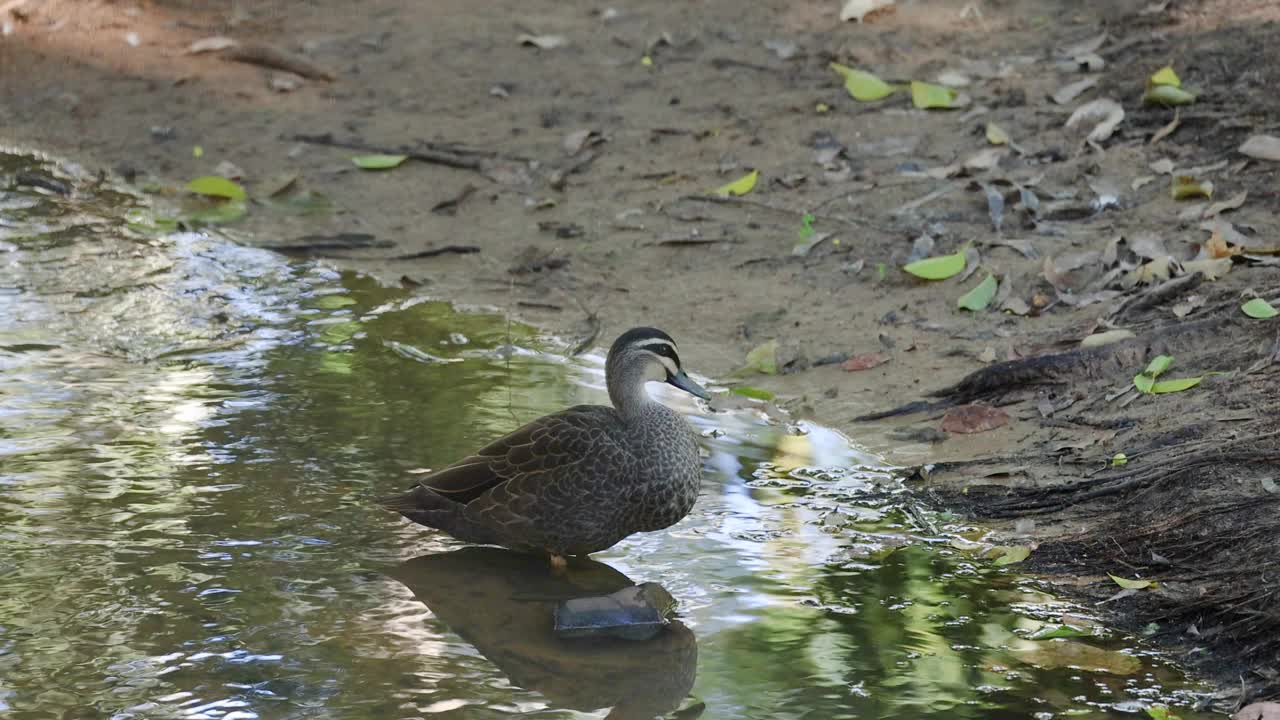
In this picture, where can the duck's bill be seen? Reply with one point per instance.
(685, 383)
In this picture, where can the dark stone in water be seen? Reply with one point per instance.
(635, 613)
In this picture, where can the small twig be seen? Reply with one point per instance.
(593, 331)
(1158, 294)
(267, 56)
(741, 201)
(511, 291)
(691, 240)
(436, 252)
(316, 244)
(722, 63)
(435, 154)
(539, 305)
(428, 156)
(450, 206)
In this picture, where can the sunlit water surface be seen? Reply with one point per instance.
(190, 435)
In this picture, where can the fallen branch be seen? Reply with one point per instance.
(315, 244)
(438, 251)
(748, 202)
(267, 56)
(436, 157)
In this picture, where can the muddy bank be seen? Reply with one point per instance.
(585, 233)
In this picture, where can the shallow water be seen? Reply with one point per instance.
(191, 431)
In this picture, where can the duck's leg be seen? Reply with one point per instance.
(559, 565)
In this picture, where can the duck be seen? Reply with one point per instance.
(580, 480)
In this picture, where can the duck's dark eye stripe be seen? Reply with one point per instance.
(665, 351)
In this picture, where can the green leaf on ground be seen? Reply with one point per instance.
(1144, 382)
(741, 186)
(1119, 460)
(1166, 76)
(214, 186)
(753, 393)
(1049, 632)
(378, 162)
(1168, 95)
(1158, 365)
(216, 214)
(1173, 386)
(1010, 554)
(764, 358)
(806, 226)
(863, 86)
(332, 302)
(981, 296)
(1259, 309)
(928, 96)
(937, 268)
(1128, 584)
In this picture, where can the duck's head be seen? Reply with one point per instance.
(651, 354)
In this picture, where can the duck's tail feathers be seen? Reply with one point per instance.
(426, 507)
(418, 500)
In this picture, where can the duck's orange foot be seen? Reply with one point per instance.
(559, 565)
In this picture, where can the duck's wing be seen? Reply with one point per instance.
(547, 445)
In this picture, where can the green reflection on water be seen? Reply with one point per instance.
(187, 454)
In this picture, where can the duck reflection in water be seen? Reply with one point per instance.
(504, 606)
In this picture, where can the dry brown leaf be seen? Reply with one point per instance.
(543, 42)
(1231, 203)
(985, 159)
(967, 419)
(865, 361)
(1105, 338)
(1148, 245)
(210, 44)
(1016, 305)
(1058, 270)
(1141, 182)
(1086, 46)
(1262, 147)
(1216, 247)
(578, 139)
(1211, 269)
(858, 10)
(1188, 306)
(1156, 270)
(1104, 113)
(1258, 711)
(1067, 93)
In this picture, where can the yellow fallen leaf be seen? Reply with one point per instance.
(1166, 76)
(1128, 584)
(862, 85)
(996, 135)
(741, 186)
(646, 61)
(1186, 186)
(927, 95)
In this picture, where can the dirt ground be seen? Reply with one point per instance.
(583, 233)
